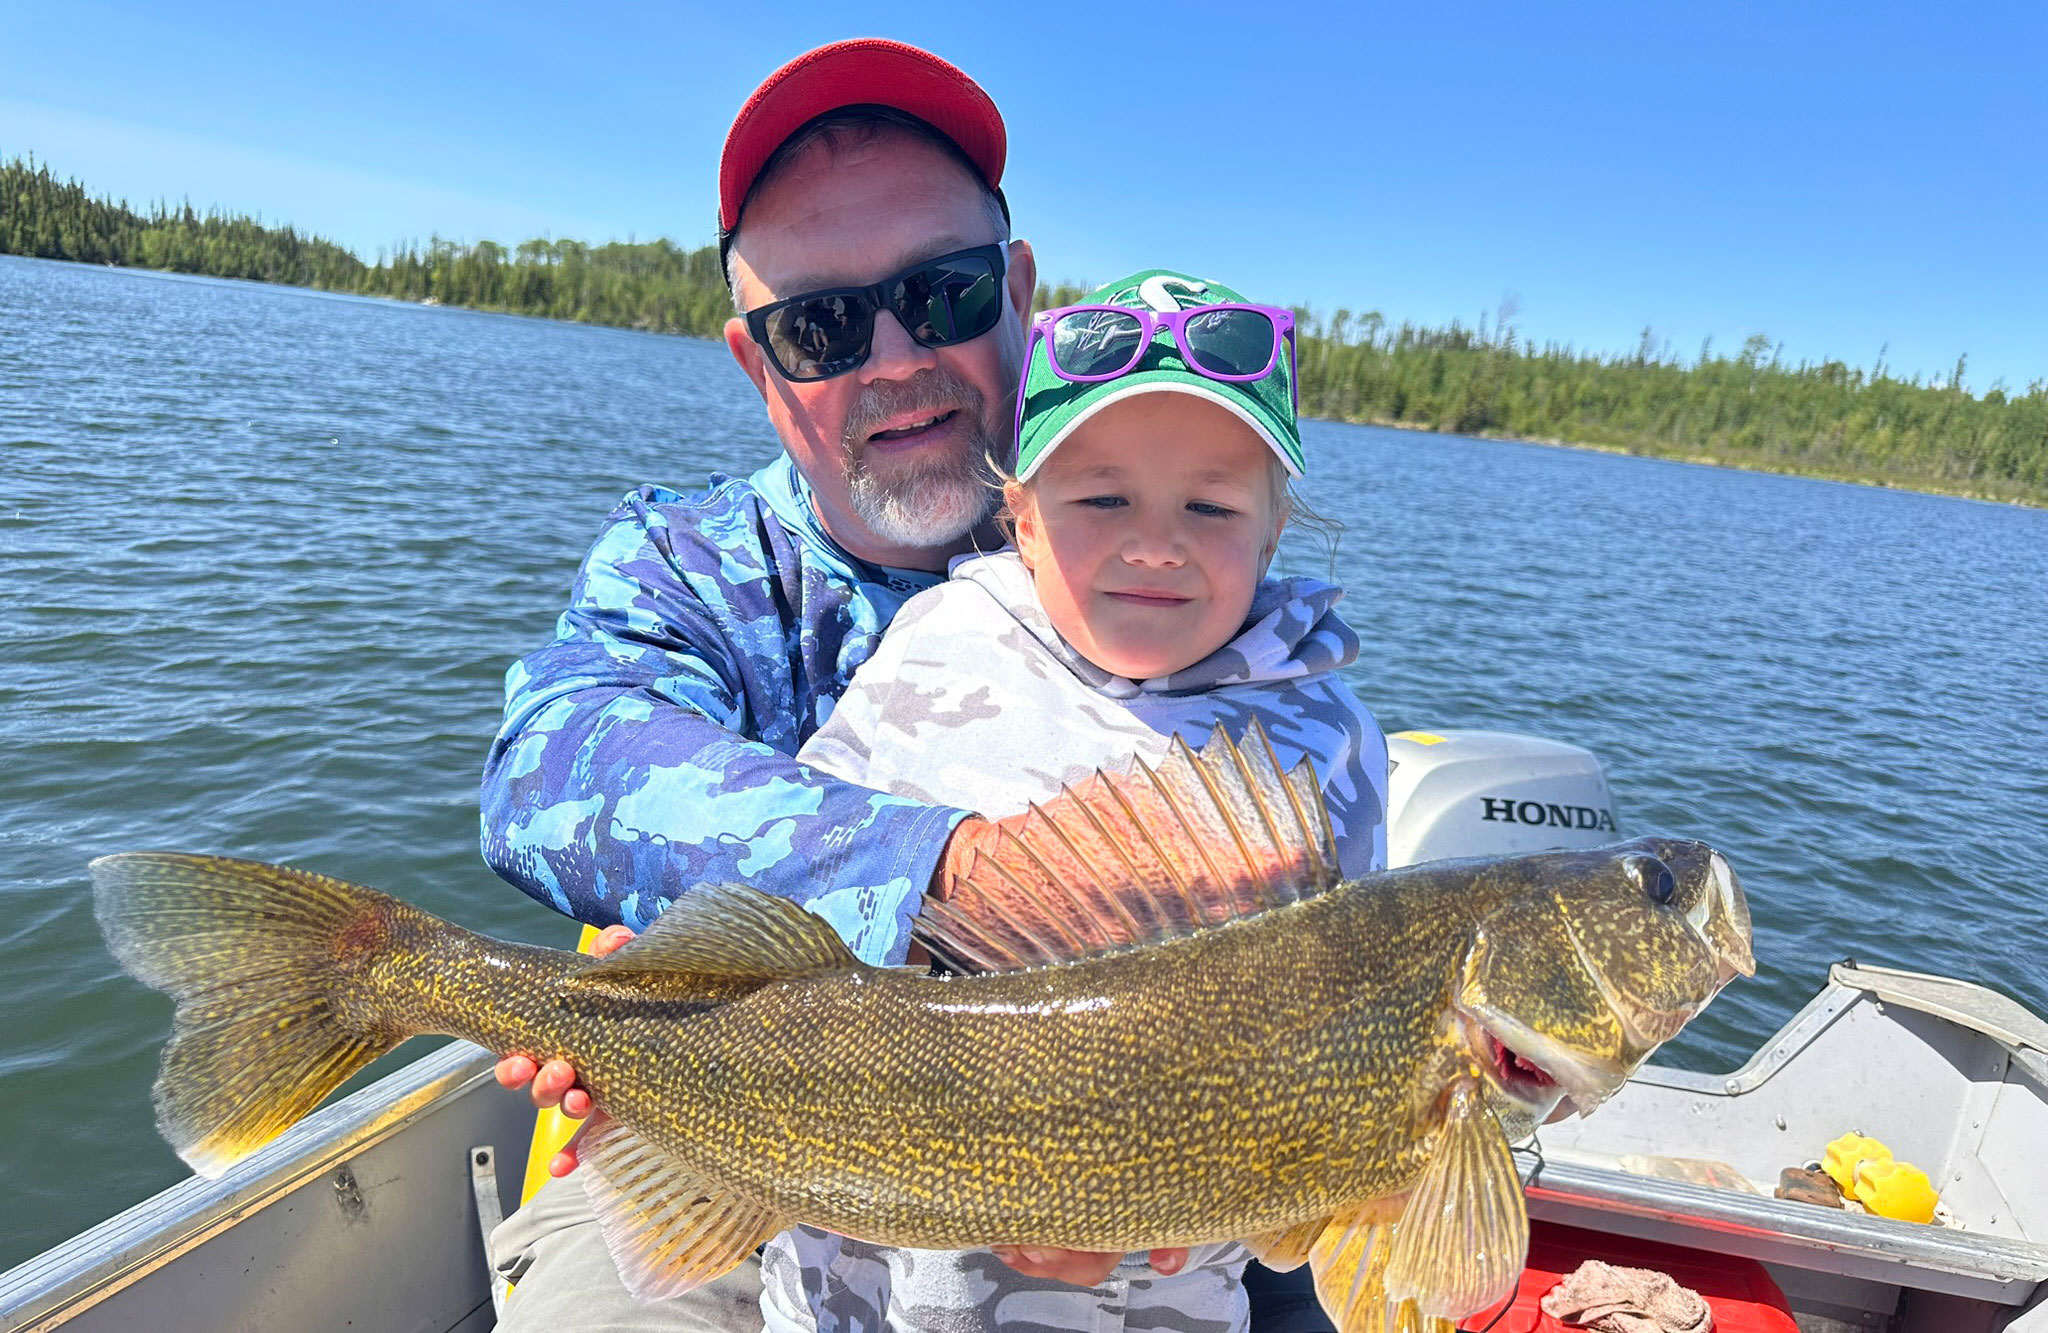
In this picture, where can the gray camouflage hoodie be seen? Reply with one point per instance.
(973, 700)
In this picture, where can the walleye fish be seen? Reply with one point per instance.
(1185, 1031)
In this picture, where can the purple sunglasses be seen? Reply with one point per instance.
(1230, 341)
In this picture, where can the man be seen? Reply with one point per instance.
(649, 747)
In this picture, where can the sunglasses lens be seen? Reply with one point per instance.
(949, 300)
(1096, 342)
(822, 336)
(1231, 342)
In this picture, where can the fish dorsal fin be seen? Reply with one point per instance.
(669, 1229)
(1465, 1230)
(716, 941)
(1137, 857)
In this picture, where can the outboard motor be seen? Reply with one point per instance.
(1491, 793)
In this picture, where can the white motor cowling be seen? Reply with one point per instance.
(1491, 793)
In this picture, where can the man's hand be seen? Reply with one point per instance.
(554, 1083)
(1083, 1268)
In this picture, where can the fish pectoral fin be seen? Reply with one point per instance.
(715, 941)
(1465, 1230)
(1137, 857)
(1349, 1258)
(668, 1228)
(1285, 1250)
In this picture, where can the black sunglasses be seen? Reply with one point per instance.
(940, 302)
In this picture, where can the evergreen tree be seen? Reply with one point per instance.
(1751, 409)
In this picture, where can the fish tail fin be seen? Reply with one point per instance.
(264, 963)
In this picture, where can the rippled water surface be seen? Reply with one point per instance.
(264, 555)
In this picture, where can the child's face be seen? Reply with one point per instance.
(1148, 529)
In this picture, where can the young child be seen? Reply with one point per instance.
(1148, 499)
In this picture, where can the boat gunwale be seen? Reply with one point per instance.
(1960, 1263)
(54, 1286)
(1563, 1187)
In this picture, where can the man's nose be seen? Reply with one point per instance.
(893, 354)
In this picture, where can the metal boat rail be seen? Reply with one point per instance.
(1954, 1077)
(1794, 1235)
(378, 1175)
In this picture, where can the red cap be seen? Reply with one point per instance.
(864, 70)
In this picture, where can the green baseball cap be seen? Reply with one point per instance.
(1052, 406)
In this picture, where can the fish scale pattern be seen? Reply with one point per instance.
(1192, 1091)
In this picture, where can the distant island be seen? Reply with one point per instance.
(1749, 410)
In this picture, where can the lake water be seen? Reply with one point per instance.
(265, 554)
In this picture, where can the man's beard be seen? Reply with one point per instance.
(932, 499)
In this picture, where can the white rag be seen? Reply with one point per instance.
(1627, 1300)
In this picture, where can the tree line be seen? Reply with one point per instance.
(1748, 408)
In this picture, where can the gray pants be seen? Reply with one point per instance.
(552, 1248)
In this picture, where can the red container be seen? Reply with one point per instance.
(1739, 1291)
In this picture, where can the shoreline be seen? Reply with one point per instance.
(1915, 485)
(1706, 460)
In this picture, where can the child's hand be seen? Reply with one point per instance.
(554, 1083)
(1082, 1268)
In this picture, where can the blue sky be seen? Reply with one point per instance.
(1840, 177)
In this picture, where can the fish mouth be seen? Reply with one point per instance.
(1520, 1078)
(1722, 920)
(1535, 1070)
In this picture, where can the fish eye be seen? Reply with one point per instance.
(1653, 877)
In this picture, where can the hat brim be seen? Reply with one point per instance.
(866, 70)
(1155, 381)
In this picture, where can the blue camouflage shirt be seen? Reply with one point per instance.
(650, 747)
